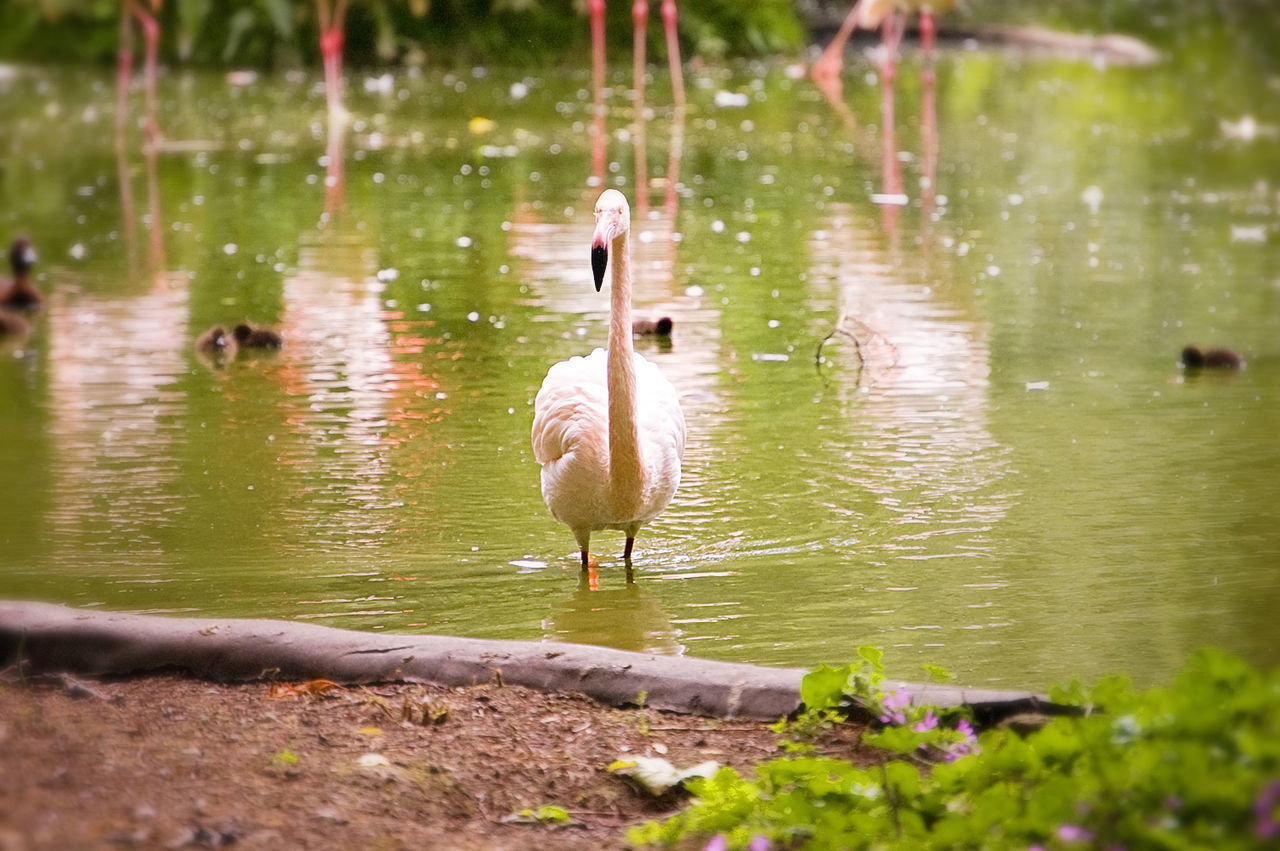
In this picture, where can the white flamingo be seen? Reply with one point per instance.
(607, 428)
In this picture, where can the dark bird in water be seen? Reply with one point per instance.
(217, 343)
(21, 293)
(1193, 357)
(651, 328)
(249, 337)
(13, 324)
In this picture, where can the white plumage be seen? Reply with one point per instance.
(607, 428)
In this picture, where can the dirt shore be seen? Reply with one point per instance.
(170, 762)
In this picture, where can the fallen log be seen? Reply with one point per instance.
(823, 20)
(1108, 47)
(49, 638)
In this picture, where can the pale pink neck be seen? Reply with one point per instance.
(625, 470)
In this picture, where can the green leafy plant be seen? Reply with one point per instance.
(1193, 765)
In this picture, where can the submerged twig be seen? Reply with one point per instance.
(841, 329)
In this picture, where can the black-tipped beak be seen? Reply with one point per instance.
(599, 262)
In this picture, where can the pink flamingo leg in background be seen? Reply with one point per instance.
(891, 35)
(597, 91)
(124, 66)
(331, 42)
(151, 37)
(928, 36)
(640, 17)
(669, 16)
(826, 71)
(124, 76)
(929, 118)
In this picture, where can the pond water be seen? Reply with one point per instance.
(995, 464)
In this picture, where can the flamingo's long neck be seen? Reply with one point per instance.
(626, 476)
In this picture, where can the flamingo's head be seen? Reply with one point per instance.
(613, 218)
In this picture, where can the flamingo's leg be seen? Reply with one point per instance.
(597, 44)
(826, 71)
(673, 52)
(928, 36)
(151, 36)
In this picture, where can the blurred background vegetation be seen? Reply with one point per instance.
(272, 34)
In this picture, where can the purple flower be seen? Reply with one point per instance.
(1073, 833)
(1265, 809)
(895, 703)
(717, 843)
(927, 723)
(758, 843)
(968, 745)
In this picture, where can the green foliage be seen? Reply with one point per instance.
(829, 692)
(270, 32)
(1194, 765)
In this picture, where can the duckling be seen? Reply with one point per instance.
(216, 342)
(249, 337)
(651, 328)
(22, 293)
(1193, 357)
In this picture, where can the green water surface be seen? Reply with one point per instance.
(998, 465)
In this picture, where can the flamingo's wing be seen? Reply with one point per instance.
(658, 411)
(571, 407)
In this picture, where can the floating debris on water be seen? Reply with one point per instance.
(1092, 197)
(382, 85)
(727, 100)
(1248, 233)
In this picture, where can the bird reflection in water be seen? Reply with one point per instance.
(626, 617)
(114, 364)
(890, 17)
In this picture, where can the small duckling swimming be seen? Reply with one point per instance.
(216, 342)
(22, 293)
(1193, 357)
(652, 328)
(249, 337)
